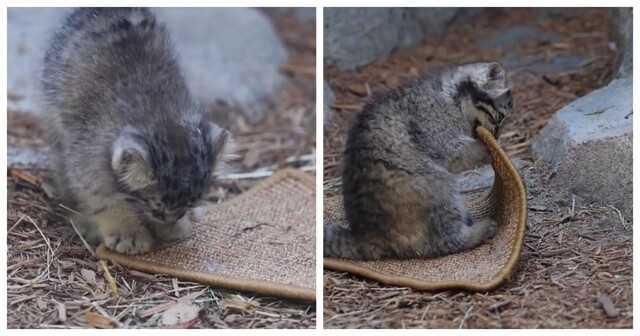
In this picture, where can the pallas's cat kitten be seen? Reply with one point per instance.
(134, 153)
(402, 154)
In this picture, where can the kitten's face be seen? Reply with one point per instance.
(167, 176)
(164, 203)
(485, 96)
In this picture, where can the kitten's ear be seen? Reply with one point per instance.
(222, 147)
(494, 75)
(130, 160)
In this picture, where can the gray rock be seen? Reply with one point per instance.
(230, 55)
(621, 28)
(515, 34)
(568, 12)
(28, 34)
(434, 22)
(328, 98)
(356, 36)
(588, 144)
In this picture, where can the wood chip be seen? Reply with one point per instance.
(246, 306)
(26, 177)
(89, 276)
(607, 305)
(62, 312)
(100, 321)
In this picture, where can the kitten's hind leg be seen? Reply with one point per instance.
(453, 230)
(480, 231)
(339, 242)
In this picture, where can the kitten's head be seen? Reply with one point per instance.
(168, 172)
(484, 95)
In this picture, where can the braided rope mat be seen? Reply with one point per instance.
(478, 269)
(261, 241)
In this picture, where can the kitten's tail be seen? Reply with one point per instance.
(339, 242)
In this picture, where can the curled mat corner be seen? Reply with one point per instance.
(480, 269)
(261, 241)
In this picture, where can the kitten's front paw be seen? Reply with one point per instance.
(177, 231)
(133, 241)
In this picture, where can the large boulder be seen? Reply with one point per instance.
(229, 55)
(356, 36)
(589, 146)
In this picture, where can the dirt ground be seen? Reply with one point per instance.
(55, 282)
(575, 270)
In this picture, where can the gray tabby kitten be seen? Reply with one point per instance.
(134, 153)
(403, 151)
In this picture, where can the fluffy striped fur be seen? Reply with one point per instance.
(134, 153)
(402, 154)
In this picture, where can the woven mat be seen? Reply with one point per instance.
(262, 241)
(479, 269)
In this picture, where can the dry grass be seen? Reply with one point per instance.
(575, 270)
(54, 281)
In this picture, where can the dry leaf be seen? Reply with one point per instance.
(180, 313)
(100, 321)
(187, 299)
(88, 275)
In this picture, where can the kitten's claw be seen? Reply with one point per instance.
(135, 241)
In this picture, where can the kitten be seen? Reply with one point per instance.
(134, 153)
(401, 194)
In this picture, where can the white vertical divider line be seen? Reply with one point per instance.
(319, 162)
